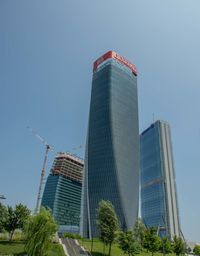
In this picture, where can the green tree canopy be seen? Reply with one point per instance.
(127, 243)
(152, 242)
(178, 246)
(139, 231)
(107, 222)
(39, 232)
(16, 218)
(166, 245)
(196, 249)
(3, 216)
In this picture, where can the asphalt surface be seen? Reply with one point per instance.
(73, 248)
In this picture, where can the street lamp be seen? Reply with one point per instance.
(2, 197)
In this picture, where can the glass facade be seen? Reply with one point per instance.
(158, 189)
(63, 197)
(112, 151)
(62, 193)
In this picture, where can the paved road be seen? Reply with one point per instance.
(73, 248)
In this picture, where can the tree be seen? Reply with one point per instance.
(196, 249)
(152, 242)
(178, 245)
(139, 231)
(3, 216)
(188, 250)
(166, 245)
(127, 243)
(39, 232)
(107, 222)
(16, 218)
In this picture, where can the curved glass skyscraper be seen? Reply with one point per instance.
(112, 150)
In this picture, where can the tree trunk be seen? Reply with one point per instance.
(109, 252)
(11, 235)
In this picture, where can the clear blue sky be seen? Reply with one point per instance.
(46, 53)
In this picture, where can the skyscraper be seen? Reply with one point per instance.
(158, 188)
(62, 193)
(112, 148)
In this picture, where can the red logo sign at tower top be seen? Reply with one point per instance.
(116, 56)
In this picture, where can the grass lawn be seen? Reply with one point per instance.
(98, 249)
(56, 250)
(17, 248)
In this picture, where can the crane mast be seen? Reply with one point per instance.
(42, 177)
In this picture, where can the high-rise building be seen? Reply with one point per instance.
(112, 148)
(62, 193)
(159, 205)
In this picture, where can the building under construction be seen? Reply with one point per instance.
(62, 193)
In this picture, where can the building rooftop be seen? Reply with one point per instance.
(115, 56)
(71, 156)
(69, 166)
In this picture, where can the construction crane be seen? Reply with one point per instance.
(42, 177)
(77, 148)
